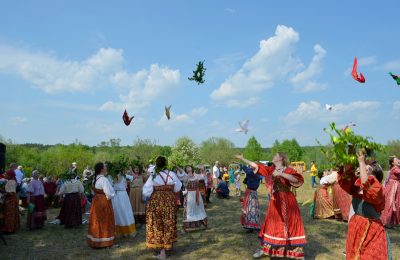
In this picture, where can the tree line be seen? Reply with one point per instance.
(56, 159)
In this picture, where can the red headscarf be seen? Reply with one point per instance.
(10, 175)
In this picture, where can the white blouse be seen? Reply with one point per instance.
(72, 186)
(171, 179)
(102, 183)
(199, 176)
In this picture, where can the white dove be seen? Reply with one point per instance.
(244, 127)
(328, 107)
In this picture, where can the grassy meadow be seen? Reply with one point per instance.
(224, 239)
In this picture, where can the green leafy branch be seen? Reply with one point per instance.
(198, 74)
(344, 144)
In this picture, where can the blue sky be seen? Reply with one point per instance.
(68, 69)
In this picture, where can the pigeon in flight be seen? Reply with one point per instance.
(244, 127)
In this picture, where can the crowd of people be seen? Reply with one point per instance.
(151, 197)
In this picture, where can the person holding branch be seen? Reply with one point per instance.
(282, 233)
(366, 237)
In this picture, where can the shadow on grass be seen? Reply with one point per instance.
(224, 239)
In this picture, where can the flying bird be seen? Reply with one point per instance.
(126, 118)
(395, 77)
(168, 112)
(244, 127)
(354, 73)
(328, 107)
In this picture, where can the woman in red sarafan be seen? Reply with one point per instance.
(366, 237)
(282, 233)
(391, 213)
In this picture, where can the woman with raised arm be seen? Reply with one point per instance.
(366, 237)
(282, 233)
(161, 209)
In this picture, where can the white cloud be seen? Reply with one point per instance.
(366, 61)
(392, 65)
(313, 69)
(200, 111)
(356, 111)
(303, 80)
(361, 62)
(272, 63)
(18, 120)
(51, 74)
(144, 86)
(230, 10)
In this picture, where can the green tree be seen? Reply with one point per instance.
(185, 152)
(217, 149)
(253, 150)
(290, 147)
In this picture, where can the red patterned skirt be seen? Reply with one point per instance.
(161, 218)
(323, 206)
(71, 211)
(341, 202)
(11, 213)
(391, 214)
(282, 233)
(366, 239)
(101, 222)
(37, 218)
(250, 218)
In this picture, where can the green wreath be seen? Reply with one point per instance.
(198, 74)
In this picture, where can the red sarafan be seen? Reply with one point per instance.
(126, 118)
(360, 78)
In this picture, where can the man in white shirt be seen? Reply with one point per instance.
(216, 173)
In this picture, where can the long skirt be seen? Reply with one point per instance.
(341, 202)
(366, 239)
(161, 219)
(282, 233)
(323, 205)
(11, 213)
(194, 215)
(37, 218)
(391, 214)
(250, 218)
(71, 211)
(138, 206)
(123, 215)
(101, 223)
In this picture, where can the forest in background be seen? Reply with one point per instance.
(56, 159)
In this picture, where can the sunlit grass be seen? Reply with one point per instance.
(224, 239)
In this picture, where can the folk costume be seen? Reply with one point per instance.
(101, 230)
(194, 215)
(366, 237)
(250, 218)
(161, 210)
(282, 233)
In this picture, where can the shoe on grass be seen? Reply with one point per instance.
(258, 254)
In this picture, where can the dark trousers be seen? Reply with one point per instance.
(208, 195)
(313, 181)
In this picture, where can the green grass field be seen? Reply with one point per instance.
(224, 239)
